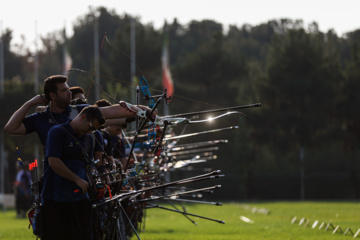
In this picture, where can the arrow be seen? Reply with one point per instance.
(215, 110)
(200, 133)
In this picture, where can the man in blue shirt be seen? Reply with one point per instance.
(57, 96)
(66, 207)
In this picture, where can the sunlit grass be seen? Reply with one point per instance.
(14, 228)
(162, 224)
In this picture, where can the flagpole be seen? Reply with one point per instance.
(67, 61)
(1, 62)
(132, 63)
(64, 51)
(167, 81)
(36, 82)
(2, 149)
(36, 63)
(2, 172)
(96, 53)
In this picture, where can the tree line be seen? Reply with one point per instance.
(301, 144)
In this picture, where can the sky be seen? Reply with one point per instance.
(40, 17)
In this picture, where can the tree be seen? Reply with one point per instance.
(349, 90)
(13, 62)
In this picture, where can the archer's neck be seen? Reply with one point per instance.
(56, 108)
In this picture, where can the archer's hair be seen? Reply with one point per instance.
(76, 90)
(78, 101)
(50, 84)
(103, 103)
(93, 112)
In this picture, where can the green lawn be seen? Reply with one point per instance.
(162, 224)
(14, 228)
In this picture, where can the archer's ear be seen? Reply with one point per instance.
(52, 96)
(83, 117)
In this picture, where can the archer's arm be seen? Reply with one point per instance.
(117, 111)
(15, 126)
(62, 170)
(115, 122)
(40, 108)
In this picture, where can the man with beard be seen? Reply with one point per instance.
(57, 96)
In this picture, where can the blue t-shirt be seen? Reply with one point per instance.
(41, 122)
(63, 143)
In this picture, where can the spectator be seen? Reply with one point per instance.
(23, 197)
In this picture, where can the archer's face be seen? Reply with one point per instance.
(87, 126)
(63, 94)
(114, 130)
(78, 95)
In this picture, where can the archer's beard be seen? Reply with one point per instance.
(64, 103)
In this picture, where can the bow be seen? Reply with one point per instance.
(144, 86)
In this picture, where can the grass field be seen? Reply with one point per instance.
(162, 224)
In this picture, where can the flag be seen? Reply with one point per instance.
(67, 61)
(167, 81)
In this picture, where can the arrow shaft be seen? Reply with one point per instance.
(190, 214)
(200, 150)
(194, 145)
(200, 133)
(211, 175)
(215, 110)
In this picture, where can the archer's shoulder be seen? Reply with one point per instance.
(105, 134)
(82, 106)
(60, 128)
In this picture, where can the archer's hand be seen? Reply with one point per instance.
(148, 111)
(82, 184)
(38, 100)
(140, 110)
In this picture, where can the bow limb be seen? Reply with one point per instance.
(128, 142)
(200, 133)
(213, 118)
(216, 110)
(174, 121)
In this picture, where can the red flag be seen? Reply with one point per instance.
(67, 61)
(167, 81)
